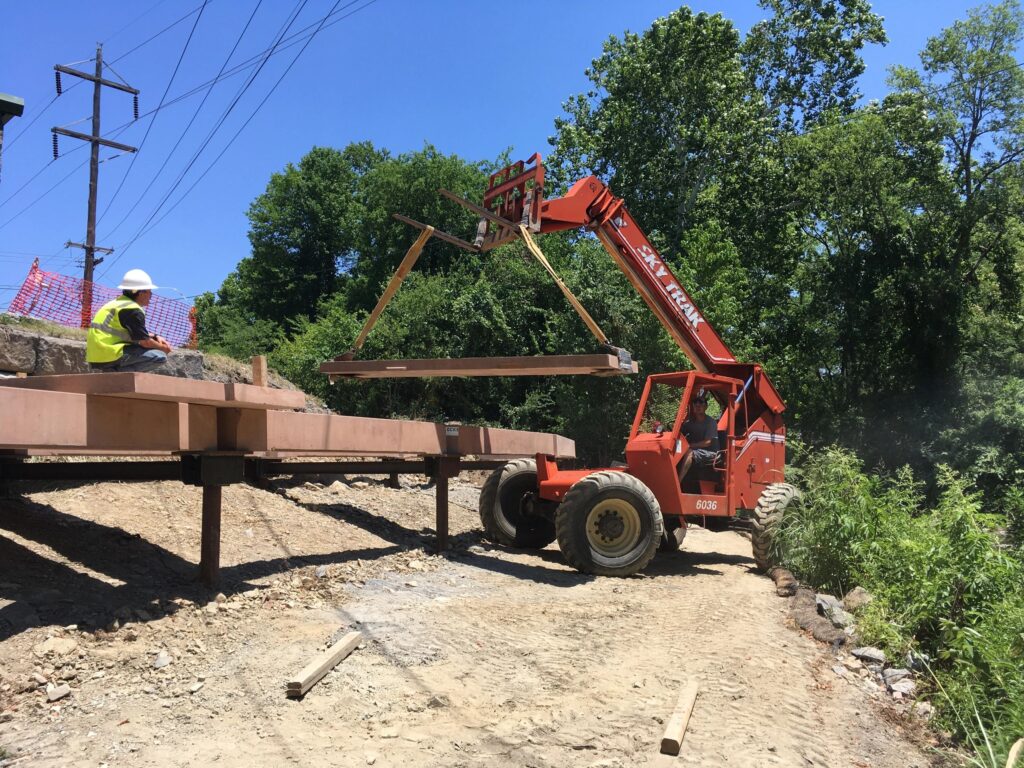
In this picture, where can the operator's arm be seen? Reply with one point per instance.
(134, 321)
(693, 431)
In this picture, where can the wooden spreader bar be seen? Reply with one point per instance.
(548, 365)
(223, 434)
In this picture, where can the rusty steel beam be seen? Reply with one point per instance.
(546, 365)
(314, 433)
(154, 387)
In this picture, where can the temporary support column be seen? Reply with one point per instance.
(441, 468)
(209, 548)
(212, 471)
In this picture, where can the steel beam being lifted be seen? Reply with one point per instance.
(549, 365)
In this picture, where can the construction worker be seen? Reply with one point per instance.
(701, 432)
(118, 339)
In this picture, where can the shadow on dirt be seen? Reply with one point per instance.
(38, 590)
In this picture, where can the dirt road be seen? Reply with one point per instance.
(487, 658)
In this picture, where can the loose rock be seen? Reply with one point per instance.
(894, 675)
(906, 686)
(162, 660)
(870, 655)
(58, 692)
(59, 646)
(857, 598)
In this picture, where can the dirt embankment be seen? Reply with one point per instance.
(485, 657)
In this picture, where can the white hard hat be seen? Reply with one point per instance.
(136, 280)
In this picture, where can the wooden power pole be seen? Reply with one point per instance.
(89, 246)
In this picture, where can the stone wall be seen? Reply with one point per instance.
(39, 355)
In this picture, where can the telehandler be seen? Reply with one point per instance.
(611, 521)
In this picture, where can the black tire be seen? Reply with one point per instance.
(765, 522)
(501, 507)
(671, 541)
(609, 524)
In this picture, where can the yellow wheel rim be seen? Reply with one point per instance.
(613, 527)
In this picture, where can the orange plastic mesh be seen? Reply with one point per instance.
(58, 298)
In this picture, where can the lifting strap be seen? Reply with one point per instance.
(396, 280)
(580, 310)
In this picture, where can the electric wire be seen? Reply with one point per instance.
(291, 40)
(210, 135)
(144, 229)
(185, 131)
(150, 39)
(146, 226)
(163, 98)
(134, 21)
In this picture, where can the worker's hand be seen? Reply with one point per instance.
(164, 346)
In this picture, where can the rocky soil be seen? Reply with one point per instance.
(111, 655)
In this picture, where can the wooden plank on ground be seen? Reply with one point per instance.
(547, 365)
(315, 433)
(313, 672)
(672, 741)
(1013, 760)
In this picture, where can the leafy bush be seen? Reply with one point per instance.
(944, 586)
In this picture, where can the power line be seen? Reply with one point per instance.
(163, 98)
(291, 40)
(65, 178)
(181, 137)
(135, 20)
(169, 27)
(144, 230)
(213, 131)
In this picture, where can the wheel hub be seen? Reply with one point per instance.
(613, 527)
(610, 526)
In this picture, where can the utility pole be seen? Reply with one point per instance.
(10, 107)
(89, 246)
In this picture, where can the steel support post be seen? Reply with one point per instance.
(209, 558)
(441, 468)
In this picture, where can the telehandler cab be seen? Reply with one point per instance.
(612, 521)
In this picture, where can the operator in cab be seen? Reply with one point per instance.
(701, 432)
(118, 340)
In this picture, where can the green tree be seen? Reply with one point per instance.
(970, 82)
(300, 232)
(806, 58)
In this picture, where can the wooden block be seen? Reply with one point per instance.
(672, 741)
(34, 419)
(313, 672)
(548, 365)
(259, 370)
(250, 396)
(197, 427)
(21, 375)
(115, 423)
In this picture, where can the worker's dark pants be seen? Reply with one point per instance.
(134, 360)
(696, 467)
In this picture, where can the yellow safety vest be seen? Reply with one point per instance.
(107, 338)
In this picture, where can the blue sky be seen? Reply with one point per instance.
(472, 78)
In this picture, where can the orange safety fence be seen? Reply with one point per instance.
(59, 298)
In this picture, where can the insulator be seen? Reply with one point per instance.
(60, 90)
(135, 105)
(56, 150)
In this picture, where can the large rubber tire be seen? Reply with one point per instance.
(766, 520)
(670, 541)
(609, 524)
(501, 512)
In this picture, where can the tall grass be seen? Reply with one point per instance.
(944, 586)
